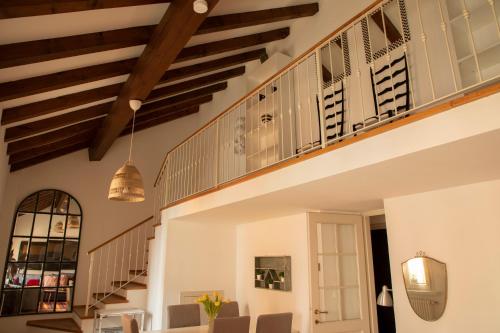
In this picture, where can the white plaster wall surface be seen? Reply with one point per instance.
(284, 236)
(199, 256)
(458, 226)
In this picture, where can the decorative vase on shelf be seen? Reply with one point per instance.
(271, 285)
(259, 277)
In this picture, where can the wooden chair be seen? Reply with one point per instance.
(275, 323)
(232, 325)
(183, 315)
(129, 324)
(229, 310)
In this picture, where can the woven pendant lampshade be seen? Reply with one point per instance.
(127, 184)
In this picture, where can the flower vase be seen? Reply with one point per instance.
(211, 325)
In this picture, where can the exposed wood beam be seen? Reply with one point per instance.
(161, 108)
(23, 8)
(166, 43)
(48, 156)
(212, 65)
(36, 109)
(392, 32)
(179, 99)
(49, 148)
(54, 136)
(160, 119)
(63, 47)
(195, 83)
(38, 155)
(27, 111)
(47, 124)
(231, 44)
(247, 19)
(44, 83)
(168, 105)
(55, 48)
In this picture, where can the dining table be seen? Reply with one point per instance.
(196, 329)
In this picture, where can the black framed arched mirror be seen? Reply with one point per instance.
(42, 257)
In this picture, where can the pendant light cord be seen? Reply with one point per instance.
(131, 139)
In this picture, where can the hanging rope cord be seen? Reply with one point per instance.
(131, 139)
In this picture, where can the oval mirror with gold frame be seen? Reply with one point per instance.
(426, 284)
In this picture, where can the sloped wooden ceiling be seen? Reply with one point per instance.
(44, 129)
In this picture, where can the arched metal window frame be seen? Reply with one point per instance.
(40, 287)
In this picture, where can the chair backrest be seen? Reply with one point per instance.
(183, 315)
(228, 310)
(129, 324)
(275, 323)
(232, 325)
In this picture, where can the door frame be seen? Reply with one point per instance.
(372, 307)
(370, 272)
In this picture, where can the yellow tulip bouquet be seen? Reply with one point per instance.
(212, 305)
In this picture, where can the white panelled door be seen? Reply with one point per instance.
(339, 291)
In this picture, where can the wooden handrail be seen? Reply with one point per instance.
(260, 86)
(120, 234)
(467, 97)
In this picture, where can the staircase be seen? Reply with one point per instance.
(118, 277)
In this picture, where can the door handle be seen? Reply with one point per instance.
(320, 312)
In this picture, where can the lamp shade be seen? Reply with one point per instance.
(384, 298)
(126, 184)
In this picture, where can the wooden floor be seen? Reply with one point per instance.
(80, 312)
(64, 324)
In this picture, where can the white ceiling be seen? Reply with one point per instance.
(466, 161)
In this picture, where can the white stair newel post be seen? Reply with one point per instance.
(89, 285)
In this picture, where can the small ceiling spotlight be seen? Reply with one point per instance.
(200, 6)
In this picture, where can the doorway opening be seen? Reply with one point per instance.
(382, 272)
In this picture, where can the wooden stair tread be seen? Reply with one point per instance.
(110, 299)
(80, 312)
(150, 238)
(63, 324)
(138, 272)
(130, 285)
(156, 225)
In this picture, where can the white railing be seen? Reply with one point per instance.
(118, 262)
(395, 58)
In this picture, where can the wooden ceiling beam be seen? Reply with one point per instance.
(160, 119)
(49, 148)
(195, 83)
(391, 31)
(36, 109)
(152, 110)
(38, 155)
(231, 44)
(24, 8)
(48, 156)
(45, 83)
(247, 19)
(47, 124)
(168, 40)
(54, 136)
(55, 48)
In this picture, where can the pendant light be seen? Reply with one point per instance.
(127, 184)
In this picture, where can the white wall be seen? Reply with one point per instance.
(458, 226)
(284, 236)
(89, 182)
(199, 257)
